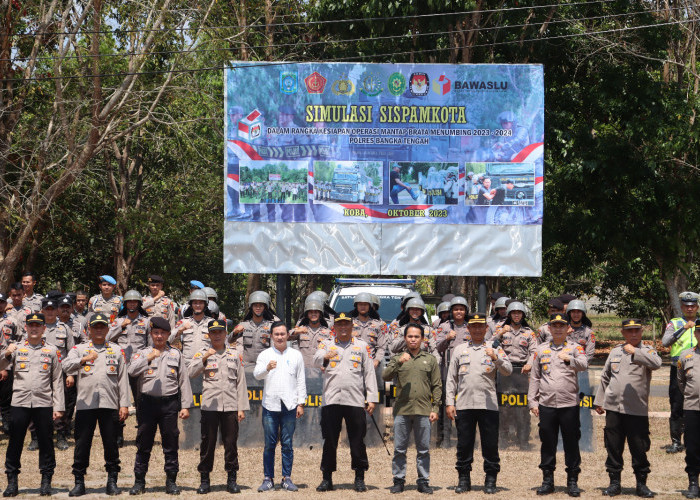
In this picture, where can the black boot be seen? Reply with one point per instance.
(676, 428)
(693, 489)
(12, 489)
(398, 485)
(327, 483)
(34, 443)
(464, 483)
(204, 485)
(424, 487)
(61, 442)
(490, 484)
(171, 483)
(615, 487)
(45, 488)
(231, 485)
(547, 483)
(572, 486)
(139, 486)
(79, 488)
(112, 489)
(360, 481)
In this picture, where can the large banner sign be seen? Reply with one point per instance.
(374, 150)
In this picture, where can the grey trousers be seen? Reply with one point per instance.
(403, 424)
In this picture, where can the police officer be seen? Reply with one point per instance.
(368, 326)
(554, 306)
(679, 335)
(224, 400)
(37, 396)
(253, 332)
(15, 309)
(103, 398)
(9, 331)
(80, 304)
(623, 395)
(553, 396)
(414, 313)
(328, 312)
(581, 327)
(157, 303)
(213, 298)
(497, 319)
(31, 299)
(312, 330)
(193, 329)
(70, 319)
(443, 313)
(394, 325)
(164, 394)
(348, 381)
(689, 381)
(471, 379)
(105, 302)
(419, 389)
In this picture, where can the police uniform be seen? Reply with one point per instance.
(624, 395)
(162, 306)
(37, 393)
(374, 333)
(103, 388)
(554, 391)
(348, 381)
(471, 388)
(678, 339)
(253, 340)
(688, 365)
(18, 314)
(194, 338)
(10, 333)
(164, 388)
(224, 394)
(110, 307)
(307, 342)
(33, 303)
(447, 346)
(398, 344)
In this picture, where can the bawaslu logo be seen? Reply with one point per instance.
(480, 85)
(442, 85)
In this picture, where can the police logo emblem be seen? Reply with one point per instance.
(343, 86)
(397, 84)
(288, 82)
(371, 85)
(315, 83)
(418, 84)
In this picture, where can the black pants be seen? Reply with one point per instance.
(552, 420)
(633, 428)
(692, 442)
(211, 422)
(133, 383)
(6, 397)
(467, 421)
(675, 398)
(71, 394)
(85, 423)
(356, 424)
(160, 412)
(19, 422)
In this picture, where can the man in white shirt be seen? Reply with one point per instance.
(284, 395)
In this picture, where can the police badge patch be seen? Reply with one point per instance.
(289, 82)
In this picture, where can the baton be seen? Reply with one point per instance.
(380, 434)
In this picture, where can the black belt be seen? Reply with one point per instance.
(518, 364)
(163, 399)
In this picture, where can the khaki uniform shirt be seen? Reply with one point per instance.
(135, 336)
(554, 383)
(418, 384)
(689, 378)
(348, 378)
(109, 307)
(448, 346)
(165, 375)
(308, 342)
(374, 332)
(625, 380)
(398, 344)
(163, 307)
(543, 334)
(9, 329)
(102, 383)
(19, 314)
(33, 303)
(519, 346)
(471, 377)
(77, 328)
(38, 381)
(254, 339)
(194, 338)
(224, 386)
(61, 336)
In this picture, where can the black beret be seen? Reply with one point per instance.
(158, 322)
(496, 295)
(567, 297)
(154, 278)
(556, 303)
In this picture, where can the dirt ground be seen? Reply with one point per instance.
(518, 478)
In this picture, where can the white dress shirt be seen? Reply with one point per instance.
(285, 383)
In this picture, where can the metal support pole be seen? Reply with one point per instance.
(283, 281)
(482, 294)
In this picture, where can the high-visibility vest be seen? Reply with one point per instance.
(685, 341)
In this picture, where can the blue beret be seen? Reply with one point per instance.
(108, 279)
(196, 284)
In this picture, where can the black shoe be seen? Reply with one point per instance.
(231, 485)
(112, 489)
(615, 488)
(547, 483)
(693, 489)
(360, 485)
(464, 483)
(490, 484)
(33, 444)
(61, 442)
(120, 442)
(139, 486)
(424, 487)
(642, 490)
(45, 488)
(204, 485)
(572, 488)
(398, 485)
(12, 489)
(170, 484)
(675, 447)
(79, 488)
(326, 485)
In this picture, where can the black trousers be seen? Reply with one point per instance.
(633, 428)
(356, 424)
(133, 383)
(692, 442)
(85, 423)
(162, 413)
(71, 394)
(566, 420)
(467, 421)
(6, 396)
(675, 396)
(19, 422)
(211, 422)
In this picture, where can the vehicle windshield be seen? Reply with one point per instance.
(391, 305)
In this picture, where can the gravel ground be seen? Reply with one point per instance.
(518, 478)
